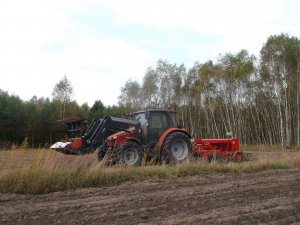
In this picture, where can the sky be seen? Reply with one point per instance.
(100, 44)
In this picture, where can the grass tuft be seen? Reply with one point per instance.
(280, 165)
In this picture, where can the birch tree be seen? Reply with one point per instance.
(63, 92)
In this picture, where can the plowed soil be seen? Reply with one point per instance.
(268, 197)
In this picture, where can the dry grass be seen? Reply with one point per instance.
(268, 148)
(43, 171)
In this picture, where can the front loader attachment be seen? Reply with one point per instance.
(71, 147)
(95, 136)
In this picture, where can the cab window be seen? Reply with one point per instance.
(141, 118)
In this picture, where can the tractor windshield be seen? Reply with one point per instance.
(141, 117)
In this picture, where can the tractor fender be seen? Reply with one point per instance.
(138, 141)
(166, 133)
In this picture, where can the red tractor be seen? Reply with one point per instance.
(150, 134)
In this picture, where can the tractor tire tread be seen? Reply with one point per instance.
(126, 145)
(165, 155)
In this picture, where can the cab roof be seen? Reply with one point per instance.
(153, 110)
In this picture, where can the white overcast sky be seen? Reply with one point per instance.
(100, 44)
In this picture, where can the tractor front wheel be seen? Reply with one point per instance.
(100, 154)
(177, 147)
(131, 154)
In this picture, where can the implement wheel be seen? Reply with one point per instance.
(131, 154)
(177, 147)
(238, 157)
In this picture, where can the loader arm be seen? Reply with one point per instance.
(95, 135)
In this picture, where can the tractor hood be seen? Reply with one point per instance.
(120, 137)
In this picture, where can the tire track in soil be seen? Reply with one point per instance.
(271, 197)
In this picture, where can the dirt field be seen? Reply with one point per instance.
(269, 197)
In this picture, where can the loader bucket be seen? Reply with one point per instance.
(69, 148)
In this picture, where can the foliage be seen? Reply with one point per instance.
(12, 118)
(62, 93)
(131, 96)
(97, 110)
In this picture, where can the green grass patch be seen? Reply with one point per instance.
(280, 165)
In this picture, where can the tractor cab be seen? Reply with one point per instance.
(153, 123)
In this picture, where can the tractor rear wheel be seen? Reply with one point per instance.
(177, 147)
(131, 154)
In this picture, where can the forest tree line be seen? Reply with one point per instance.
(257, 98)
(39, 119)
